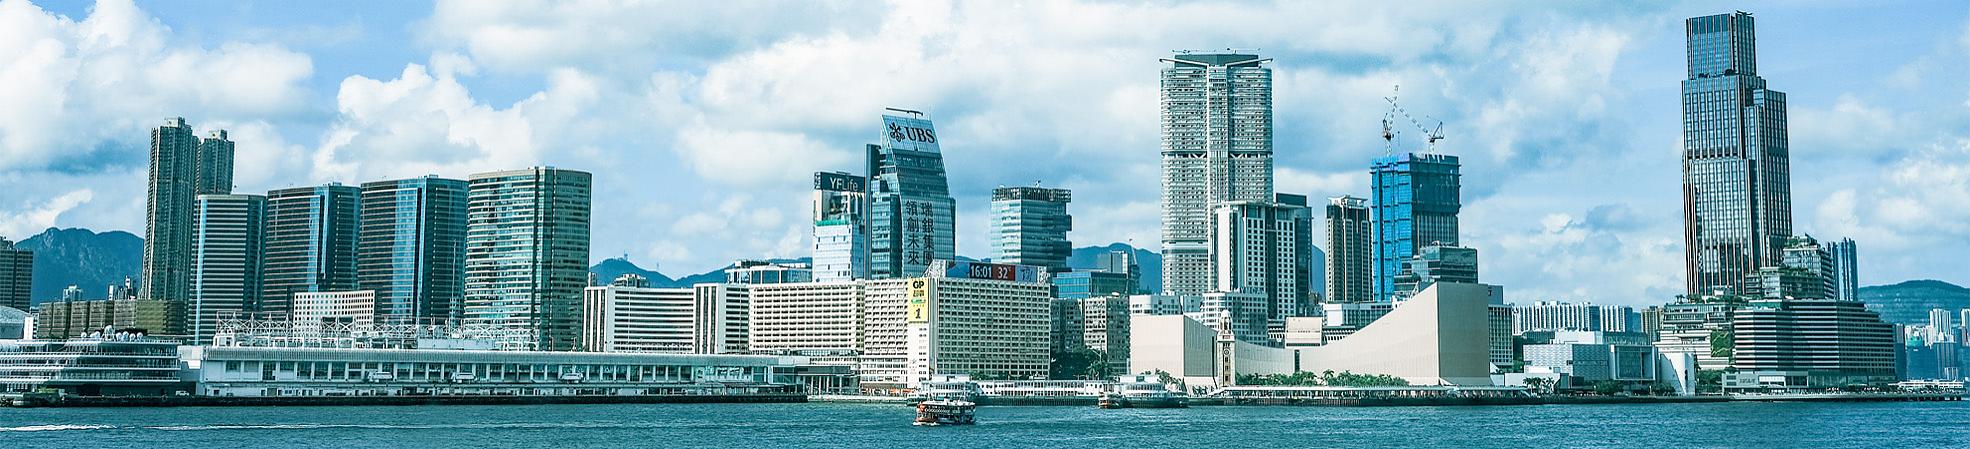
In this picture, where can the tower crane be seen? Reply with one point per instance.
(1430, 135)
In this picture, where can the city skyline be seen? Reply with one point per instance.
(1606, 246)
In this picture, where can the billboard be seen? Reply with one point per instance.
(919, 301)
(840, 182)
(994, 271)
(906, 133)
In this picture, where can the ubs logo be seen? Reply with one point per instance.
(899, 132)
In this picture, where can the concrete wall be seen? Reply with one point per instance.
(1441, 336)
(1172, 343)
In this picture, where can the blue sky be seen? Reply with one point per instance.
(703, 120)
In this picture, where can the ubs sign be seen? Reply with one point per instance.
(909, 133)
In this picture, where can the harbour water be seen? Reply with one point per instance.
(762, 426)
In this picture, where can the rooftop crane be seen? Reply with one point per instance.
(1430, 135)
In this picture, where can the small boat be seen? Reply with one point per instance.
(935, 412)
(1110, 401)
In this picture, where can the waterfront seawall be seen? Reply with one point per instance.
(234, 401)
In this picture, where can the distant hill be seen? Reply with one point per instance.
(83, 258)
(1909, 302)
(609, 269)
(1150, 263)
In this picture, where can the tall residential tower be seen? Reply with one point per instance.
(181, 168)
(1737, 183)
(1217, 148)
(1350, 256)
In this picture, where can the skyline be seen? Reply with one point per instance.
(1609, 247)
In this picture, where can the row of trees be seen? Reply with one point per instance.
(1327, 378)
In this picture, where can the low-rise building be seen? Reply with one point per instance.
(58, 320)
(1791, 344)
(1584, 358)
(118, 365)
(316, 308)
(255, 372)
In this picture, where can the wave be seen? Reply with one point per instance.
(56, 427)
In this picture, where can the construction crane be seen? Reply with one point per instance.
(1430, 135)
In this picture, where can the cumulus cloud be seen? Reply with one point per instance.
(71, 85)
(32, 218)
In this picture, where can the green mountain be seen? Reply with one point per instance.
(83, 258)
(1909, 302)
(1149, 263)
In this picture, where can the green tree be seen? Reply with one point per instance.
(1539, 384)
(1607, 387)
(1723, 343)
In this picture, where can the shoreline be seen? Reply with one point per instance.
(207, 401)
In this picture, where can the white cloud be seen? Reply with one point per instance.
(70, 85)
(20, 224)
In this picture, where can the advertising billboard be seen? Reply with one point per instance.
(906, 133)
(840, 182)
(919, 301)
(994, 271)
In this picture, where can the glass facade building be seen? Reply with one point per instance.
(228, 242)
(1416, 200)
(1846, 277)
(411, 248)
(1030, 225)
(16, 275)
(1081, 284)
(311, 244)
(1349, 255)
(526, 253)
(1216, 147)
(912, 217)
(841, 227)
(1737, 186)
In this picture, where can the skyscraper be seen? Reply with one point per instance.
(1737, 185)
(1217, 147)
(311, 244)
(1417, 197)
(16, 275)
(526, 256)
(215, 165)
(1260, 250)
(410, 248)
(228, 241)
(1846, 276)
(912, 217)
(841, 227)
(174, 164)
(1349, 253)
(1030, 225)
(1433, 264)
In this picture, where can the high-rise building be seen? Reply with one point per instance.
(1350, 255)
(526, 253)
(1217, 148)
(1121, 261)
(311, 244)
(1030, 225)
(1846, 276)
(912, 217)
(215, 165)
(411, 248)
(16, 275)
(1940, 327)
(228, 241)
(809, 316)
(1416, 200)
(175, 162)
(1433, 264)
(1811, 343)
(841, 227)
(1737, 182)
(1806, 254)
(965, 318)
(1099, 323)
(1261, 248)
(1090, 283)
